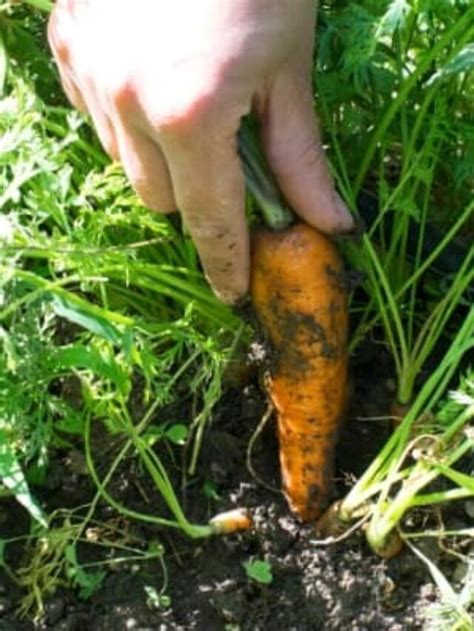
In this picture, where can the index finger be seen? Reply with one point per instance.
(209, 189)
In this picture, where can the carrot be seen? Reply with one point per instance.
(231, 521)
(298, 295)
(297, 290)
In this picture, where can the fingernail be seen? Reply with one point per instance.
(226, 296)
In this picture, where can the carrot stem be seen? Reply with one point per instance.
(276, 214)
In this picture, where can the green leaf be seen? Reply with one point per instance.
(156, 600)
(43, 5)
(13, 478)
(177, 434)
(462, 62)
(36, 474)
(461, 479)
(80, 356)
(394, 18)
(259, 571)
(87, 318)
(88, 582)
(155, 548)
(71, 424)
(210, 491)
(152, 434)
(9, 350)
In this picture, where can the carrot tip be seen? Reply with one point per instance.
(231, 521)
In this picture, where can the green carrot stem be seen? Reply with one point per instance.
(276, 214)
(385, 518)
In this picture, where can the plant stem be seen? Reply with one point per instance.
(367, 323)
(389, 514)
(276, 215)
(442, 496)
(387, 461)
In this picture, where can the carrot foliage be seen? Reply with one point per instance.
(394, 88)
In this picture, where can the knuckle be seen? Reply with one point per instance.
(185, 114)
(121, 94)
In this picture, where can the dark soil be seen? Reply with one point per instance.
(314, 586)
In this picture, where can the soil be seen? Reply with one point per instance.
(342, 586)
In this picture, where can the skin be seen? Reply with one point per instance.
(166, 84)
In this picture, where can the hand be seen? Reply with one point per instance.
(166, 84)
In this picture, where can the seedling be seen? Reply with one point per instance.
(259, 571)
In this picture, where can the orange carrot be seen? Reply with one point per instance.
(231, 521)
(298, 293)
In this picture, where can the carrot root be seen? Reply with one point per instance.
(299, 297)
(231, 521)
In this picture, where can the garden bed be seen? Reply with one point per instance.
(311, 585)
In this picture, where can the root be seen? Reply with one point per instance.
(253, 439)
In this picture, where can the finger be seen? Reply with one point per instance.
(102, 121)
(210, 191)
(145, 167)
(69, 85)
(61, 56)
(72, 90)
(292, 144)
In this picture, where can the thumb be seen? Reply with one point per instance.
(292, 144)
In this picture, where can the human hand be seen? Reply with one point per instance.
(167, 83)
